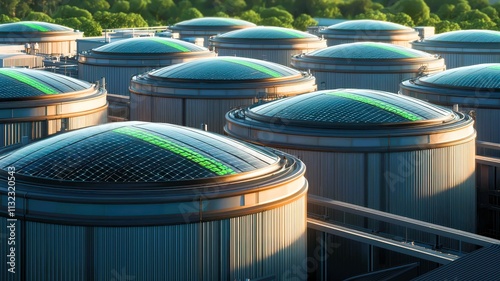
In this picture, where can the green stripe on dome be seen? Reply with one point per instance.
(496, 67)
(171, 44)
(207, 163)
(46, 89)
(255, 66)
(35, 26)
(378, 103)
(392, 49)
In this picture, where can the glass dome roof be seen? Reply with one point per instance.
(480, 76)
(149, 45)
(466, 36)
(213, 22)
(348, 107)
(32, 26)
(23, 83)
(368, 25)
(266, 32)
(368, 50)
(225, 69)
(136, 152)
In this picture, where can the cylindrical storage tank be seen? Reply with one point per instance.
(37, 103)
(147, 201)
(463, 47)
(208, 26)
(473, 88)
(52, 39)
(355, 142)
(369, 30)
(375, 149)
(368, 65)
(202, 91)
(119, 61)
(269, 43)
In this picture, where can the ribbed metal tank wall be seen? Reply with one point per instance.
(457, 59)
(408, 183)
(264, 244)
(12, 133)
(117, 78)
(377, 81)
(278, 56)
(64, 48)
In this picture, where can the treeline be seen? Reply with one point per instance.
(91, 16)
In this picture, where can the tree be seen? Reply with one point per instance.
(460, 9)
(9, 7)
(475, 19)
(446, 11)
(221, 15)
(433, 20)
(88, 26)
(138, 6)
(446, 26)
(38, 16)
(231, 7)
(190, 13)
(92, 6)
(251, 16)
(416, 9)
(285, 18)
(6, 19)
(303, 21)
(22, 10)
(372, 15)
(479, 4)
(353, 8)
(121, 6)
(491, 12)
(272, 21)
(71, 12)
(118, 20)
(401, 18)
(330, 12)
(162, 9)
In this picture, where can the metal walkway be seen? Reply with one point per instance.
(427, 253)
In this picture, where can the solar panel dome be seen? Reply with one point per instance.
(475, 89)
(37, 103)
(120, 60)
(369, 30)
(52, 39)
(370, 65)
(208, 26)
(202, 91)
(113, 187)
(276, 44)
(463, 47)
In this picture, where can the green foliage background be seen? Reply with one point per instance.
(91, 16)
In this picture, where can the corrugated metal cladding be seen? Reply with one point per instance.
(36, 103)
(369, 30)
(367, 65)
(52, 39)
(202, 91)
(473, 88)
(118, 61)
(275, 44)
(20, 60)
(207, 26)
(463, 47)
(145, 201)
(375, 149)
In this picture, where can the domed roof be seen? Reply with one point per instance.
(266, 32)
(225, 69)
(466, 36)
(368, 50)
(480, 76)
(137, 152)
(211, 22)
(149, 45)
(24, 83)
(348, 108)
(368, 25)
(32, 26)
